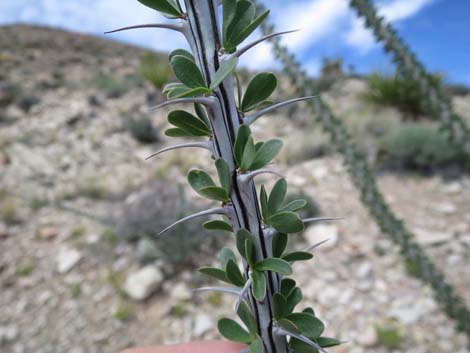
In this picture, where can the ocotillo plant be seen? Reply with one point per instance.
(266, 297)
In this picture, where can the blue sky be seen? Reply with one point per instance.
(437, 30)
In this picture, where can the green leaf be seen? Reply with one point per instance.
(193, 92)
(233, 331)
(258, 145)
(249, 29)
(277, 196)
(233, 274)
(279, 244)
(226, 254)
(258, 286)
(215, 273)
(244, 14)
(309, 310)
(279, 306)
(187, 71)
(188, 123)
(260, 88)
(256, 346)
(294, 206)
(199, 179)
(249, 154)
(175, 132)
(242, 236)
(301, 347)
(173, 85)
(263, 197)
(326, 342)
(168, 7)
(243, 134)
(288, 325)
(224, 70)
(294, 298)
(225, 176)
(215, 193)
(266, 153)
(181, 52)
(218, 225)
(177, 90)
(244, 313)
(250, 249)
(309, 325)
(274, 265)
(286, 222)
(229, 11)
(297, 256)
(287, 285)
(201, 113)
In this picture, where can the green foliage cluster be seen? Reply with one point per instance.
(237, 161)
(154, 70)
(419, 146)
(399, 92)
(143, 130)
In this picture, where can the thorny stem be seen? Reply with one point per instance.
(206, 44)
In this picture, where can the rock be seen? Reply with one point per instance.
(66, 259)
(180, 292)
(320, 172)
(141, 284)
(411, 312)
(368, 338)
(8, 334)
(147, 250)
(426, 237)
(364, 270)
(46, 233)
(202, 324)
(316, 233)
(3, 231)
(445, 208)
(453, 188)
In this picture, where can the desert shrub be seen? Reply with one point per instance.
(154, 70)
(110, 85)
(396, 91)
(9, 93)
(143, 130)
(154, 207)
(419, 146)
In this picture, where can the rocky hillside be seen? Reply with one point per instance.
(76, 193)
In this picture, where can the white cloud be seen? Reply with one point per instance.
(93, 16)
(315, 19)
(362, 38)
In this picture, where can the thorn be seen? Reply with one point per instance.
(255, 116)
(242, 51)
(282, 332)
(204, 145)
(314, 246)
(245, 178)
(243, 292)
(234, 291)
(320, 219)
(174, 27)
(219, 210)
(209, 101)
